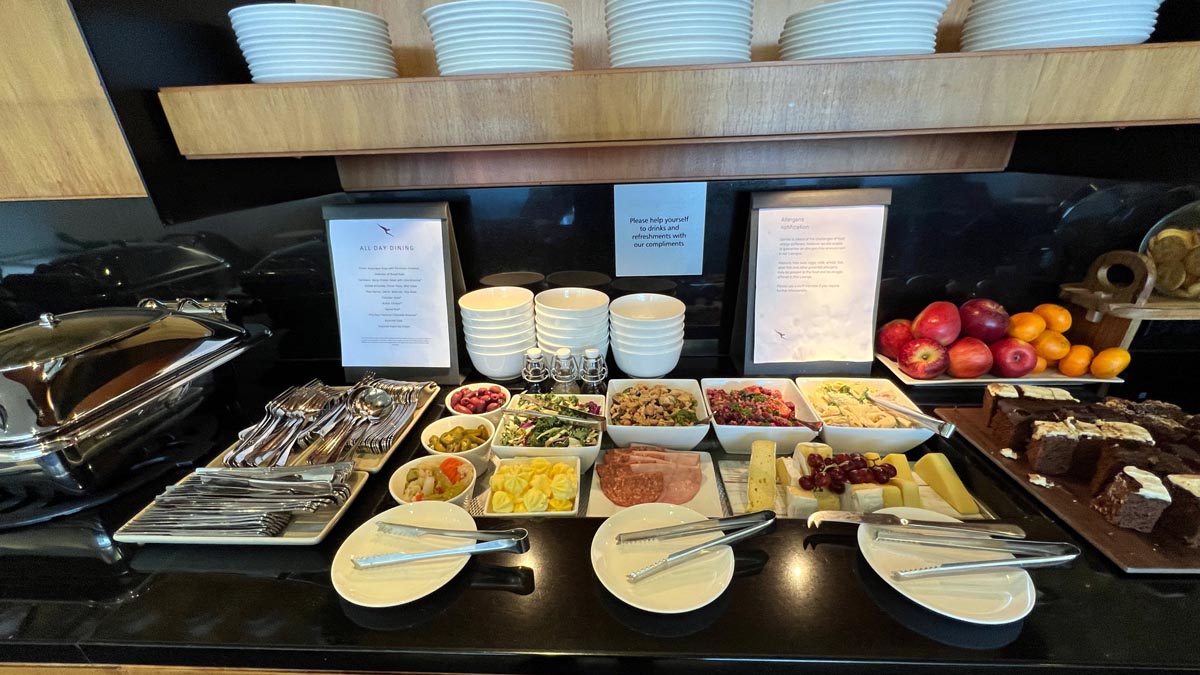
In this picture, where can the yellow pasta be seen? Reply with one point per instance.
(845, 404)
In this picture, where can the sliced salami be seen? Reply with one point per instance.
(626, 488)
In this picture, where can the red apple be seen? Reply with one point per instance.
(923, 358)
(892, 336)
(969, 357)
(939, 321)
(984, 319)
(1012, 358)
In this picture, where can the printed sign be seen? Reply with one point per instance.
(659, 229)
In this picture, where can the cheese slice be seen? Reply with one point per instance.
(803, 450)
(827, 501)
(871, 457)
(761, 482)
(935, 469)
(901, 463)
(800, 503)
(786, 473)
(892, 496)
(863, 498)
(910, 492)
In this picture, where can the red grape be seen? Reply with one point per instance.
(888, 470)
(859, 476)
(837, 487)
(822, 480)
(829, 461)
(815, 461)
(879, 475)
(837, 474)
(806, 483)
(839, 458)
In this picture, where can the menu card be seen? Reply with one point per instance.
(391, 282)
(816, 283)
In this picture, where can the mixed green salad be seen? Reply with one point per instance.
(544, 432)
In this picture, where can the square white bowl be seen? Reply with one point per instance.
(586, 454)
(859, 440)
(672, 438)
(737, 439)
(487, 508)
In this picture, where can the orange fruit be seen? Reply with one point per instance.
(1040, 366)
(1026, 326)
(1076, 362)
(1110, 362)
(1058, 318)
(1051, 345)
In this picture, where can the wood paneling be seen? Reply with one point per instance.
(998, 91)
(649, 163)
(59, 137)
(414, 47)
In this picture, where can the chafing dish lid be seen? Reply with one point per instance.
(63, 370)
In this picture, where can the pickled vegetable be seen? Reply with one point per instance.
(459, 439)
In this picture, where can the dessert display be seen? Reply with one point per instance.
(532, 486)
(1134, 499)
(642, 475)
(752, 406)
(653, 405)
(1182, 516)
(980, 338)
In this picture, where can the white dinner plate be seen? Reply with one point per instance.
(989, 598)
(681, 49)
(319, 61)
(860, 53)
(862, 47)
(690, 586)
(1074, 15)
(505, 41)
(1052, 41)
(470, 23)
(314, 77)
(917, 38)
(248, 25)
(500, 27)
(883, 16)
(288, 10)
(270, 35)
(846, 10)
(558, 64)
(978, 6)
(668, 19)
(400, 584)
(875, 30)
(498, 51)
(1059, 27)
(505, 69)
(654, 6)
(486, 10)
(899, 23)
(302, 42)
(315, 50)
(715, 37)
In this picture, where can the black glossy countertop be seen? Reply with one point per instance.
(801, 601)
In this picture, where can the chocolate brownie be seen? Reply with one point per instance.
(1133, 499)
(1052, 445)
(1012, 425)
(1122, 434)
(996, 392)
(1182, 517)
(1112, 458)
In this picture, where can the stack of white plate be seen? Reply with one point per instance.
(574, 318)
(301, 43)
(480, 37)
(678, 32)
(862, 28)
(647, 333)
(498, 325)
(1043, 24)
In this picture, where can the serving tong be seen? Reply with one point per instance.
(1028, 554)
(744, 527)
(493, 541)
(940, 427)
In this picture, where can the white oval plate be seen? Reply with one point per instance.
(687, 587)
(505, 70)
(989, 598)
(400, 584)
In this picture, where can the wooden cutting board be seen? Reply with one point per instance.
(1134, 552)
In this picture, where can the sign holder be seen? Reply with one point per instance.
(452, 284)
(801, 203)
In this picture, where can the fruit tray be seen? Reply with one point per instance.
(1047, 377)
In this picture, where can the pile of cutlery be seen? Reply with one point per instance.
(321, 424)
(242, 502)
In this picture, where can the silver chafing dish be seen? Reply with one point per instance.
(77, 390)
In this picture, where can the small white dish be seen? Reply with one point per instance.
(647, 364)
(396, 482)
(586, 454)
(737, 439)
(858, 440)
(690, 586)
(671, 438)
(983, 597)
(493, 416)
(480, 457)
(573, 461)
(400, 584)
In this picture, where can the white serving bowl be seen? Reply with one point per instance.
(592, 315)
(519, 320)
(635, 334)
(566, 335)
(497, 338)
(501, 366)
(737, 439)
(672, 438)
(567, 303)
(493, 416)
(396, 482)
(574, 461)
(545, 320)
(642, 307)
(587, 454)
(518, 346)
(496, 302)
(647, 346)
(480, 457)
(647, 364)
(484, 331)
(636, 329)
(860, 439)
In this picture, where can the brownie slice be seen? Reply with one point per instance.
(1053, 445)
(1133, 499)
(997, 392)
(1113, 458)
(1188, 454)
(1121, 434)
(1182, 517)
(1012, 425)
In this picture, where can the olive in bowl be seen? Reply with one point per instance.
(487, 400)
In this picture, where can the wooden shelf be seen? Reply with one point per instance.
(941, 93)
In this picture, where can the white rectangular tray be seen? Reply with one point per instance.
(1048, 377)
(306, 529)
(707, 501)
(734, 476)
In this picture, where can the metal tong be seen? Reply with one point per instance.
(1029, 554)
(494, 541)
(562, 418)
(750, 525)
(940, 427)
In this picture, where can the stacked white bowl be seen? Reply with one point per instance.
(1043, 24)
(574, 318)
(850, 28)
(480, 37)
(498, 325)
(301, 43)
(678, 32)
(647, 333)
